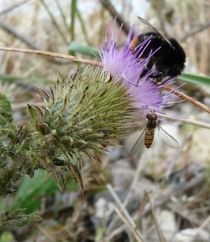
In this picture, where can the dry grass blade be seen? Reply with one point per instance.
(120, 20)
(63, 16)
(127, 224)
(176, 191)
(84, 30)
(204, 224)
(53, 55)
(157, 226)
(130, 190)
(196, 30)
(46, 233)
(188, 121)
(54, 21)
(17, 35)
(124, 213)
(11, 8)
(164, 198)
(188, 99)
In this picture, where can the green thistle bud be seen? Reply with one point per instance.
(80, 116)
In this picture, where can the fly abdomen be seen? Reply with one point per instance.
(149, 137)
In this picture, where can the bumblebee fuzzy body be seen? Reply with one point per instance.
(168, 60)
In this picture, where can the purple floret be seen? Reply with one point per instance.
(127, 67)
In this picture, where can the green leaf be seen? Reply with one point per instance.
(196, 79)
(7, 78)
(33, 189)
(75, 47)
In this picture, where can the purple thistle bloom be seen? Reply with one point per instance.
(127, 67)
(122, 63)
(147, 96)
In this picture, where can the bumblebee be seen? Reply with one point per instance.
(168, 58)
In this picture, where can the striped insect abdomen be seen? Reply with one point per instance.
(149, 137)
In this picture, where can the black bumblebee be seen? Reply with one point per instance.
(169, 60)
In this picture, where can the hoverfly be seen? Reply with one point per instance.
(168, 60)
(148, 133)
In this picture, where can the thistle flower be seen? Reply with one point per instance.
(128, 68)
(147, 96)
(123, 64)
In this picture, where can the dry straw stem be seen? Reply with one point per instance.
(125, 221)
(188, 99)
(12, 31)
(188, 121)
(160, 234)
(52, 55)
(125, 216)
(134, 182)
(12, 7)
(202, 226)
(54, 21)
(164, 198)
(46, 233)
(98, 63)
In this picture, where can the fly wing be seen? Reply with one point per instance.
(168, 139)
(139, 140)
(153, 28)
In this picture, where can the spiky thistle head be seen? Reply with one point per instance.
(80, 116)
